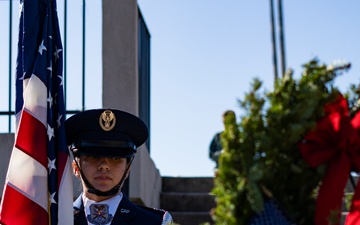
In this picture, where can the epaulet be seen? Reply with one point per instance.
(158, 211)
(166, 216)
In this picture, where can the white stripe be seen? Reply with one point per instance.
(26, 175)
(35, 99)
(66, 197)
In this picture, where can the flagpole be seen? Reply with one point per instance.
(65, 52)
(83, 58)
(10, 61)
(273, 40)
(281, 33)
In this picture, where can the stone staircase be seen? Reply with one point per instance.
(188, 199)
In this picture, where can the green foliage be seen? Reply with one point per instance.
(261, 150)
(347, 199)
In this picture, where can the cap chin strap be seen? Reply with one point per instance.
(110, 192)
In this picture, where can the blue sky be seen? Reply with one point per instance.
(204, 55)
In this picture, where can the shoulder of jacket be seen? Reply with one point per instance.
(165, 215)
(154, 210)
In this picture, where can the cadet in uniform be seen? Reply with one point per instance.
(104, 143)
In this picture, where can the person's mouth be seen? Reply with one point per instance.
(103, 178)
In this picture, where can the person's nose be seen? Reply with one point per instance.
(103, 164)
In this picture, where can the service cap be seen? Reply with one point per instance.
(105, 133)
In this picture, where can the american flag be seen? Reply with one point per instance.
(38, 187)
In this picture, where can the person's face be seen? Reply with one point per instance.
(103, 173)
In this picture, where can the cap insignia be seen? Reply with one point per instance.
(107, 120)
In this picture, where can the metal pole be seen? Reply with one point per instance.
(282, 44)
(65, 51)
(83, 58)
(10, 61)
(273, 39)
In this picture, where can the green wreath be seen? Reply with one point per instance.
(261, 158)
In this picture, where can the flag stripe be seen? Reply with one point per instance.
(36, 98)
(62, 167)
(26, 175)
(32, 143)
(15, 213)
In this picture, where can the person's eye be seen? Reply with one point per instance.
(89, 158)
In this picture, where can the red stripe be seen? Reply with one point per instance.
(62, 159)
(17, 209)
(32, 138)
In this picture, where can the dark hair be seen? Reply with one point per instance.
(228, 113)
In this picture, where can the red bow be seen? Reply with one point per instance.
(336, 143)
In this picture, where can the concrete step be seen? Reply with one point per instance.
(187, 184)
(190, 202)
(191, 218)
(188, 199)
(187, 202)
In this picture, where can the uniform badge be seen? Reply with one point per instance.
(99, 214)
(107, 120)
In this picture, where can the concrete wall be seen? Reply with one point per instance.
(145, 180)
(121, 89)
(120, 67)
(6, 146)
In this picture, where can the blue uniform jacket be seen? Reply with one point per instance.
(127, 213)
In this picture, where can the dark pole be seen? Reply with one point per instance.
(273, 40)
(10, 60)
(282, 44)
(83, 57)
(65, 51)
